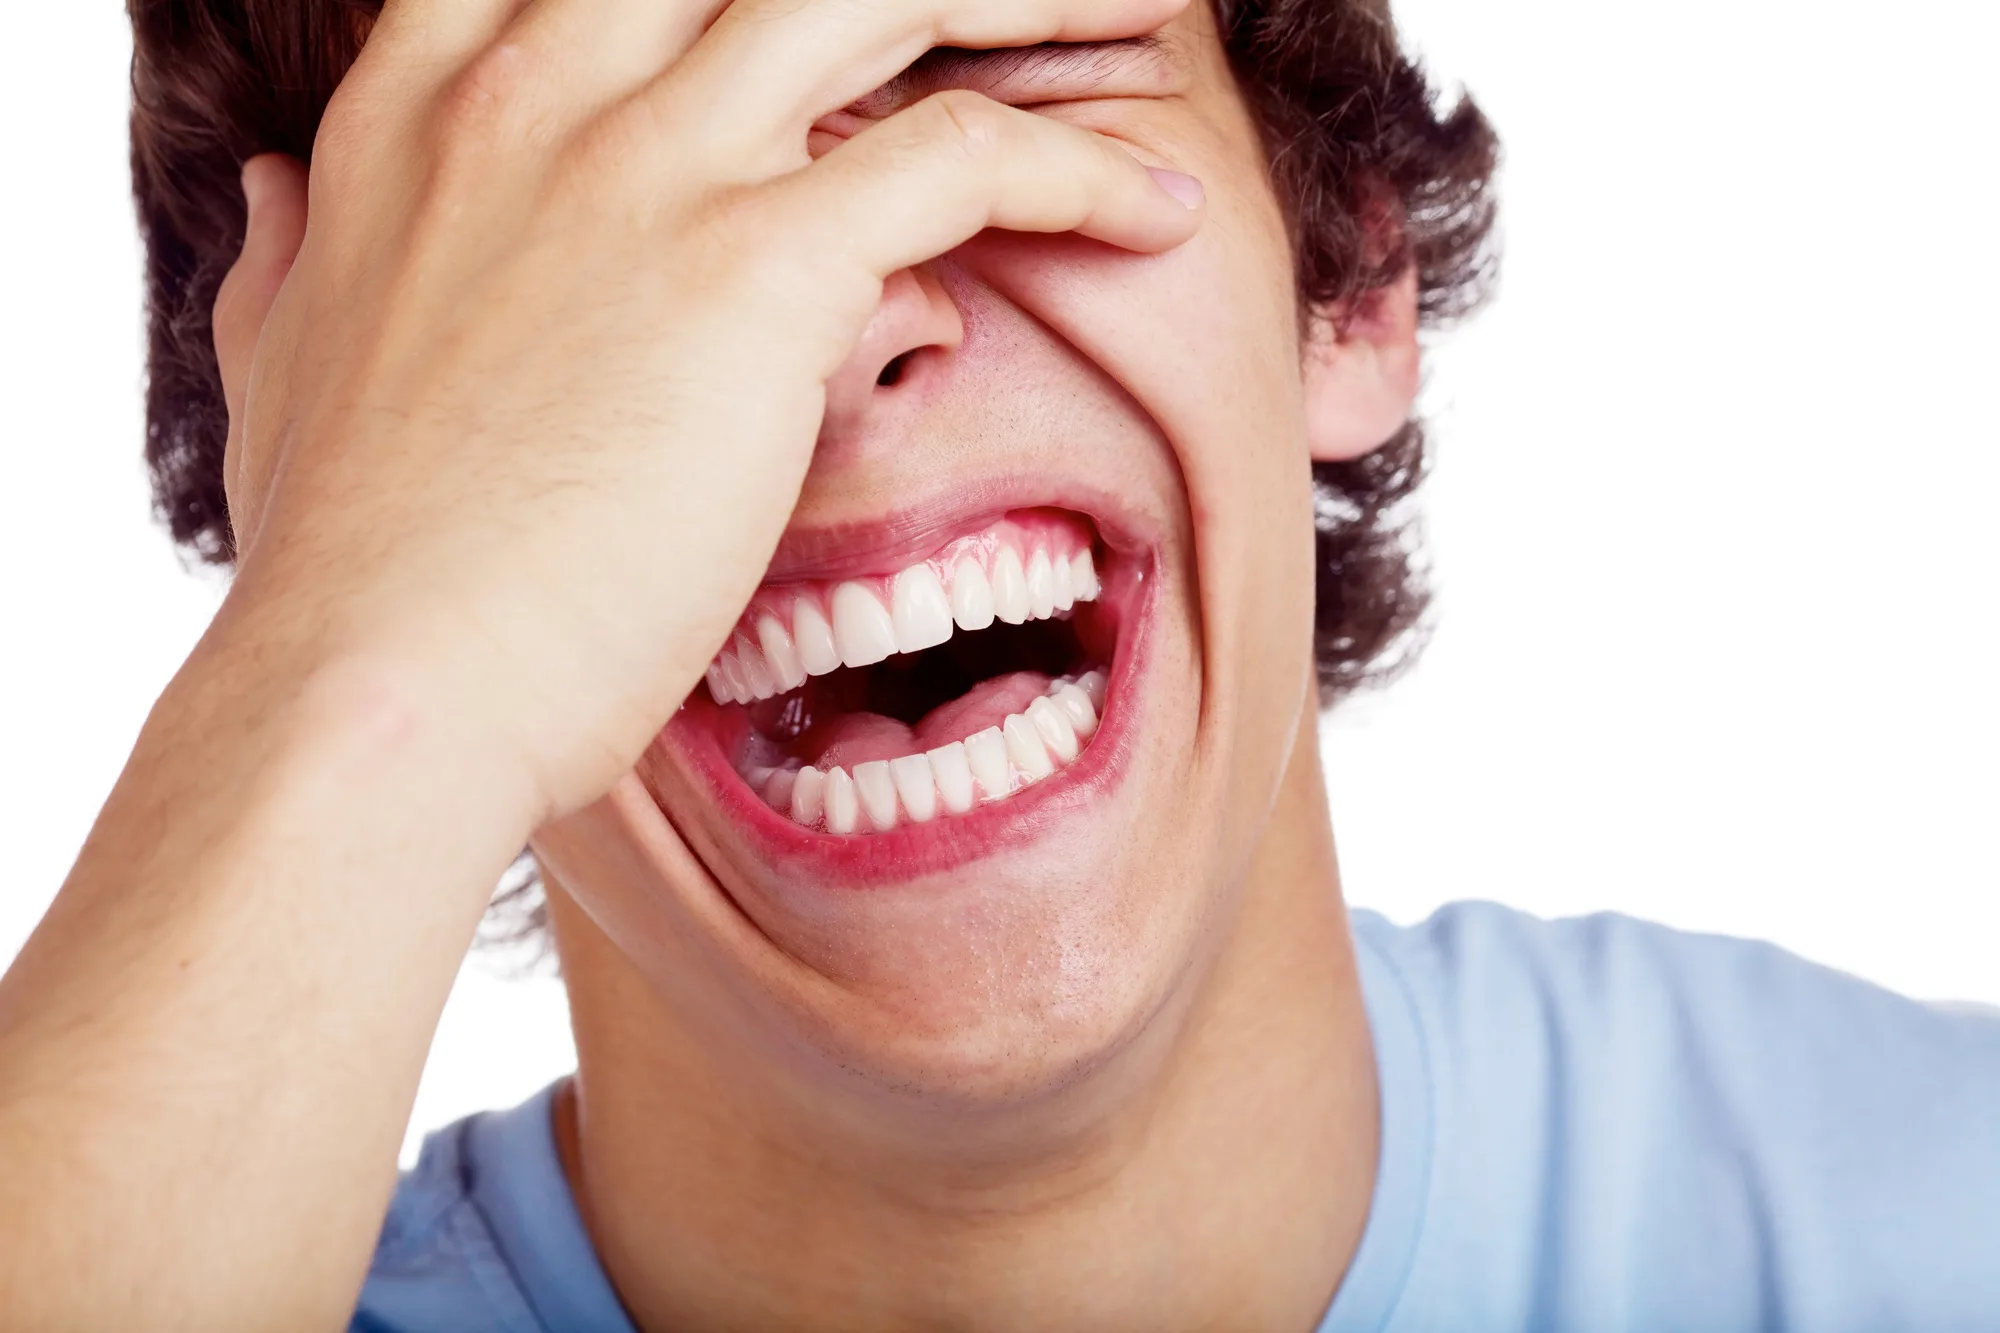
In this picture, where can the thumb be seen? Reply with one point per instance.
(274, 194)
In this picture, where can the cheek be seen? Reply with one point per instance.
(1205, 341)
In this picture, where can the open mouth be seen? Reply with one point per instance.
(866, 705)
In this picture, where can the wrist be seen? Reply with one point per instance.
(276, 897)
(366, 732)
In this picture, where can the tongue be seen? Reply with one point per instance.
(987, 704)
(860, 738)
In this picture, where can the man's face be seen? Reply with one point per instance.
(885, 843)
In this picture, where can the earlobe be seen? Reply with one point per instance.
(1362, 366)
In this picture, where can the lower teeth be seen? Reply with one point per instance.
(883, 795)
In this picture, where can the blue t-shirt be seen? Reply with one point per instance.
(1587, 1125)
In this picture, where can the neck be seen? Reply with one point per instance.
(1231, 1190)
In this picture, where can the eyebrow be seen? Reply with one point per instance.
(1084, 64)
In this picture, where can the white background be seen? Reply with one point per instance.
(1712, 516)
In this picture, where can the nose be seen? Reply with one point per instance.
(912, 335)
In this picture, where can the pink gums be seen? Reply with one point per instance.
(1062, 535)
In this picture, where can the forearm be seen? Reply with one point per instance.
(209, 1049)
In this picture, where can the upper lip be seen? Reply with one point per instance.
(880, 546)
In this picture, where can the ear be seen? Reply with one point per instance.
(1362, 368)
(274, 227)
(274, 192)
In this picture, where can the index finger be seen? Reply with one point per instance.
(768, 69)
(435, 37)
(611, 49)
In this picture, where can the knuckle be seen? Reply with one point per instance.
(632, 151)
(477, 102)
(508, 98)
(609, 149)
(967, 121)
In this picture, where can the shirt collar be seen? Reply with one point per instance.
(1380, 1271)
(517, 1184)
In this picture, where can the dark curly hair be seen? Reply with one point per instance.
(1350, 125)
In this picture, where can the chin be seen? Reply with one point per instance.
(943, 777)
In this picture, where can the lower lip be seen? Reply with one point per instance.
(950, 841)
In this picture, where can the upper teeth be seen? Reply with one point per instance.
(792, 634)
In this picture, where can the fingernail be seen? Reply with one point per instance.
(1180, 185)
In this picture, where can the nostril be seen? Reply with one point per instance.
(893, 372)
